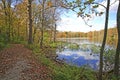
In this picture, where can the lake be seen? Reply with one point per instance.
(80, 52)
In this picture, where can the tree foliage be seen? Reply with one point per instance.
(35, 21)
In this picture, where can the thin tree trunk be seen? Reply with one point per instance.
(117, 55)
(41, 40)
(18, 33)
(9, 22)
(55, 33)
(104, 41)
(42, 25)
(26, 29)
(51, 33)
(35, 29)
(30, 22)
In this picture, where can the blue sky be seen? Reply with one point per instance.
(70, 22)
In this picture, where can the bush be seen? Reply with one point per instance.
(95, 48)
(3, 41)
(73, 47)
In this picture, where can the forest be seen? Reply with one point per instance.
(92, 35)
(32, 47)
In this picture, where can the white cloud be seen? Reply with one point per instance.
(113, 5)
(72, 23)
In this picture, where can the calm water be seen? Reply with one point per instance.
(79, 57)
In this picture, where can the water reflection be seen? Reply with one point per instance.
(76, 40)
(86, 54)
(79, 58)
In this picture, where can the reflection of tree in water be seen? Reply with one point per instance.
(86, 54)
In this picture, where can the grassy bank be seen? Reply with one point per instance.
(60, 70)
(63, 71)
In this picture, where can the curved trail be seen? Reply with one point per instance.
(18, 63)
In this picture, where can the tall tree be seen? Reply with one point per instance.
(42, 23)
(104, 40)
(6, 7)
(48, 15)
(30, 21)
(21, 21)
(117, 56)
(8, 17)
(54, 37)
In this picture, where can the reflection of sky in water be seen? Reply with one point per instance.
(79, 58)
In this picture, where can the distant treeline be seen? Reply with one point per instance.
(92, 35)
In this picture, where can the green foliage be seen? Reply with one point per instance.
(53, 45)
(34, 47)
(95, 6)
(84, 47)
(95, 48)
(73, 47)
(18, 40)
(46, 39)
(2, 45)
(60, 76)
(3, 38)
(3, 41)
(109, 56)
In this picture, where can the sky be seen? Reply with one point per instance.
(70, 22)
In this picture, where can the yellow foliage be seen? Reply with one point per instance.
(49, 3)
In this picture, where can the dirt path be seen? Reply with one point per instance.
(18, 63)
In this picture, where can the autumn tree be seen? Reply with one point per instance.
(35, 11)
(54, 16)
(21, 21)
(7, 13)
(8, 8)
(48, 16)
(42, 21)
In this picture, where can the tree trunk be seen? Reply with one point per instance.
(26, 29)
(117, 58)
(35, 29)
(42, 25)
(9, 22)
(41, 40)
(104, 41)
(54, 33)
(30, 22)
(18, 32)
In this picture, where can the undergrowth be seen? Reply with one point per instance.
(63, 71)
